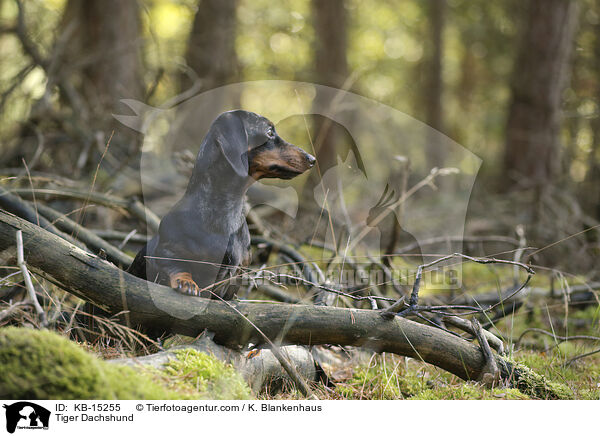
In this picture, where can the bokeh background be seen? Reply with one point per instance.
(105, 102)
(515, 83)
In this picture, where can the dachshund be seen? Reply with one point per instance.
(204, 238)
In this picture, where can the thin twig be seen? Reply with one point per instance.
(134, 206)
(556, 337)
(414, 297)
(13, 310)
(28, 283)
(581, 356)
(81, 216)
(466, 326)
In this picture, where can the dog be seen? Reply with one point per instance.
(204, 238)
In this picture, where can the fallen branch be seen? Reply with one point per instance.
(278, 352)
(89, 238)
(154, 306)
(14, 204)
(556, 337)
(491, 373)
(261, 372)
(13, 310)
(121, 236)
(466, 326)
(134, 206)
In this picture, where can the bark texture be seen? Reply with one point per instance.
(434, 86)
(540, 75)
(103, 44)
(211, 45)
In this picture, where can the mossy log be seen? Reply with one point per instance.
(158, 307)
(262, 372)
(43, 365)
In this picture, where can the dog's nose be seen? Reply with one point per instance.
(311, 159)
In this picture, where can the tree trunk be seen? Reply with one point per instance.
(104, 46)
(211, 46)
(590, 191)
(434, 87)
(540, 75)
(98, 53)
(330, 69)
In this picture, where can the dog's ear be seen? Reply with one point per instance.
(233, 140)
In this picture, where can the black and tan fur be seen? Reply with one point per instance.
(204, 238)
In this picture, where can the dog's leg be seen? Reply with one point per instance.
(183, 282)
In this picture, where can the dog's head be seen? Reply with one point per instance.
(253, 148)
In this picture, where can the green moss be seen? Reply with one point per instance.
(386, 379)
(538, 386)
(533, 377)
(211, 378)
(469, 391)
(44, 365)
(552, 367)
(129, 384)
(377, 383)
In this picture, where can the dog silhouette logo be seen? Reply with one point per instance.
(26, 415)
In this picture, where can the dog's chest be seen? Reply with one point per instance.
(238, 250)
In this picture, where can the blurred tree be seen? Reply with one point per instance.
(102, 43)
(539, 78)
(331, 69)
(329, 20)
(98, 51)
(92, 63)
(433, 88)
(210, 51)
(591, 188)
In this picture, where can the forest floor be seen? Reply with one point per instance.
(389, 377)
(549, 334)
(373, 376)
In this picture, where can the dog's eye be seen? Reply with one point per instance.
(271, 132)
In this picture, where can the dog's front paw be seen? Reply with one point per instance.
(183, 282)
